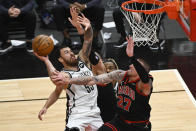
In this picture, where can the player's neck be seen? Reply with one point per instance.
(73, 68)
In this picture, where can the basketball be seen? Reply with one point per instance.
(42, 45)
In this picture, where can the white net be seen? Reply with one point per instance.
(144, 26)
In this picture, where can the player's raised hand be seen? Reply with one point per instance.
(42, 58)
(74, 11)
(74, 15)
(130, 46)
(84, 21)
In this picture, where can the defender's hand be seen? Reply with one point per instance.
(74, 11)
(84, 21)
(130, 46)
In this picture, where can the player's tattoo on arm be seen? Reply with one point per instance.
(88, 48)
(87, 44)
(103, 78)
(117, 75)
(109, 77)
(84, 80)
(88, 34)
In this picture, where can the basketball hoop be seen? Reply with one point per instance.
(144, 15)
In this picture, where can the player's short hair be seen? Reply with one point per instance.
(58, 54)
(112, 61)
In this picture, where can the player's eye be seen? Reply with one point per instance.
(66, 51)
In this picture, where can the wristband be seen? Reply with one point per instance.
(94, 59)
(140, 70)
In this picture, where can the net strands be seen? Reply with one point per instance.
(144, 26)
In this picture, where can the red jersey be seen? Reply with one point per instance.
(132, 104)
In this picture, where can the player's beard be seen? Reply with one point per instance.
(72, 62)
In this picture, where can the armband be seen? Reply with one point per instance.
(140, 70)
(94, 59)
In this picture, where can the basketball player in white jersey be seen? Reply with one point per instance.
(82, 109)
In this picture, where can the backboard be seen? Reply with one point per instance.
(187, 18)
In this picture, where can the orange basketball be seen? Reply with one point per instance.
(42, 45)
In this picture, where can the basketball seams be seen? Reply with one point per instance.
(43, 45)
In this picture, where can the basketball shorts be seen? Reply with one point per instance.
(117, 124)
(81, 117)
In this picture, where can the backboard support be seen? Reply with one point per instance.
(183, 11)
(187, 18)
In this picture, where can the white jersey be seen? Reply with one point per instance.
(82, 99)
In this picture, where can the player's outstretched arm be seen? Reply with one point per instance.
(116, 75)
(90, 80)
(74, 11)
(130, 46)
(88, 37)
(51, 100)
(145, 84)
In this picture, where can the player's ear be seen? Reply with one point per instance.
(60, 59)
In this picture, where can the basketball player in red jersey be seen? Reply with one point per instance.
(134, 91)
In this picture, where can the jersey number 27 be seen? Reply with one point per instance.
(124, 103)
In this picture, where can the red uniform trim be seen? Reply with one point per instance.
(134, 81)
(111, 126)
(124, 75)
(129, 122)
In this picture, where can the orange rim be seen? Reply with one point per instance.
(154, 11)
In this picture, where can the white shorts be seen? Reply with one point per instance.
(82, 117)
